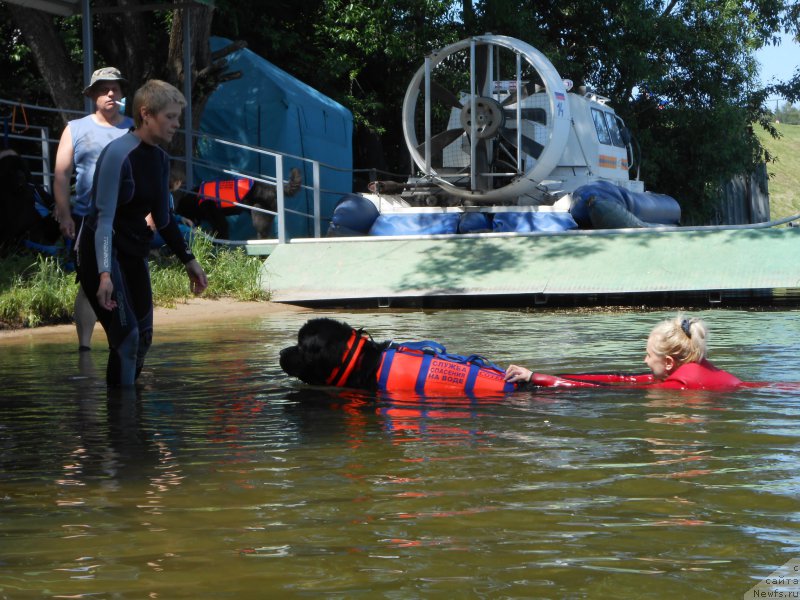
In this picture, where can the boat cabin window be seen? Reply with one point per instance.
(600, 126)
(613, 129)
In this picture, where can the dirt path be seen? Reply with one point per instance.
(194, 311)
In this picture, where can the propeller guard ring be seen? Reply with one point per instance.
(536, 168)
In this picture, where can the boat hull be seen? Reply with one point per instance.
(660, 266)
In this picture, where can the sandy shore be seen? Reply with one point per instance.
(194, 311)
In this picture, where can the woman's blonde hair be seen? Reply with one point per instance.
(154, 96)
(682, 338)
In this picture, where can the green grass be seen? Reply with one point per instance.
(35, 290)
(784, 172)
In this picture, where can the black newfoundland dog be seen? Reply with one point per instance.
(332, 353)
(322, 345)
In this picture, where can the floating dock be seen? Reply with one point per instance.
(662, 266)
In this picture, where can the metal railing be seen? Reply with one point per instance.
(39, 148)
(279, 158)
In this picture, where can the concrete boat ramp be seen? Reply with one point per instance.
(737, 265)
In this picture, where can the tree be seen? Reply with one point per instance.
(681, 73)
(49, 52)
(788, 114)
(136, 39)
(360, 53)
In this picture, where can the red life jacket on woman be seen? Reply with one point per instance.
(689, 376)
(700, 376)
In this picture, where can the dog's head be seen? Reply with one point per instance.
(330, 352)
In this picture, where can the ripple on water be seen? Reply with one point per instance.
(218, 460)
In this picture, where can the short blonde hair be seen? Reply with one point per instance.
(154, 96)
(682, 338)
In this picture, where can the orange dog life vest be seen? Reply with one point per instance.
(428, 370)
(224, 192)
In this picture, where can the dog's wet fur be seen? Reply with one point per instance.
(321, 343)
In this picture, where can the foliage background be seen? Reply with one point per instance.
(681, 73)
(784, 171)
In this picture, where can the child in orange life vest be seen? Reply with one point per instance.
(676, 355)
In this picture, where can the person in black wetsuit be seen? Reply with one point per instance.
(131, 180)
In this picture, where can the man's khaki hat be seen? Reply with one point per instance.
(104, 74)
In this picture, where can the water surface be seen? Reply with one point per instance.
(223, 478)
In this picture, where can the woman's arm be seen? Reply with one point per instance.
(198, 281)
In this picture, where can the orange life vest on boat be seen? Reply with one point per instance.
(224, 192)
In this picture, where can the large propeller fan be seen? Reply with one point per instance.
(492, 119)
(504, 130)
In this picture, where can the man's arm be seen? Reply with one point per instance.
(61, 177)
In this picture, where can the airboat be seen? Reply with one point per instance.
(526, 193)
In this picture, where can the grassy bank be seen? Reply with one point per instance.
(35, 290)
(784, 173)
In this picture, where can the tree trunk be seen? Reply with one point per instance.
(60, 74)
(208, 70)
(130, 43)
(200, 30)
(126, 41)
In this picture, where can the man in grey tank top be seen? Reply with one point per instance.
(81, 143)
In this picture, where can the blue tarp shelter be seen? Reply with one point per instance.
(269, 108)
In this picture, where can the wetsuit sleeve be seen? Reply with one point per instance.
(589, 380)
(171, 234)
(112, 164)
(543, 380)
(164, 218)
(612, 378)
